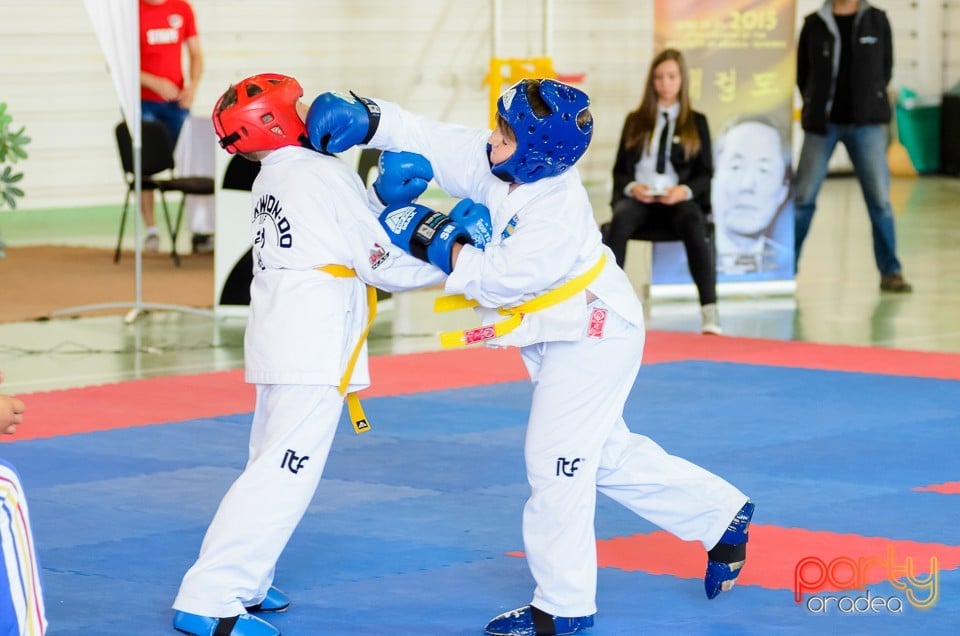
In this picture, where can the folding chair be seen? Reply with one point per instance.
(156, 156)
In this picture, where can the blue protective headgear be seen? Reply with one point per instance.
(548, 145)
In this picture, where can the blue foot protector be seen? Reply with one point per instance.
(242, 625)
(274, 601)
(726, 559)
(530, 621)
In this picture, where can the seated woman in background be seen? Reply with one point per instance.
(662, 176)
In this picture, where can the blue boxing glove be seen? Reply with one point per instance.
(337, 122)
(424, 233)
(403, 177)
(474, 218)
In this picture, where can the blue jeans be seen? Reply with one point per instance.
(170, 114)
(867, 147)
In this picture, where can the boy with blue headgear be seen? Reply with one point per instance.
(543, 281)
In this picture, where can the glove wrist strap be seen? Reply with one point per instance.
(373, 116)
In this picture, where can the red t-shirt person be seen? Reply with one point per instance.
(165, 27)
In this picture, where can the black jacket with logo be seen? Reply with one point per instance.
(818, 58)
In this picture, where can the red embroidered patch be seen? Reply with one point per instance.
(377, 256)
(479, 334)
(597, 319)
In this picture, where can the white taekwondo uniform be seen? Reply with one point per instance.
(309, 210)
(582, 355)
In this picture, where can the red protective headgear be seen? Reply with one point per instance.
(263, 117)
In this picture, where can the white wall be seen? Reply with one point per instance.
(951, 43)
(430, 55)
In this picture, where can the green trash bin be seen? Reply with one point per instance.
(918, 126)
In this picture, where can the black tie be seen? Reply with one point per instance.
(662, 149)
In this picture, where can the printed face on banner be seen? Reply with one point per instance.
(749, 186)
(750, 192)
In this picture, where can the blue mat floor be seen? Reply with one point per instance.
(409, 530)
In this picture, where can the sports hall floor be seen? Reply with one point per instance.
(836, 409)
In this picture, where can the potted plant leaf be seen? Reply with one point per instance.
(11, 151)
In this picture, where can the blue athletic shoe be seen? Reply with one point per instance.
(725, 561)
(242, 625)
(274, 601)
(530, 621)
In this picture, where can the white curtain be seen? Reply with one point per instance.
(117, 24)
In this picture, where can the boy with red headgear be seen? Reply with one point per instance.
(316, 247)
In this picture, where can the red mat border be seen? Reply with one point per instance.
(186, 397)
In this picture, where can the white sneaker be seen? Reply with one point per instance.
(152, 242)
(711, 320)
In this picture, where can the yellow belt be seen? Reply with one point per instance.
(569, 289)
(354, 408)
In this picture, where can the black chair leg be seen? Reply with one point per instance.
(170, 230)
(123, 222)
(176, 228)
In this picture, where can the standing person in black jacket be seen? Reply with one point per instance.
(662, 176)
(844, 63)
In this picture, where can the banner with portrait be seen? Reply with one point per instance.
(741, 59)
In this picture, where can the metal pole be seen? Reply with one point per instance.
(547, 28)
(138, 189)
(495, 17)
